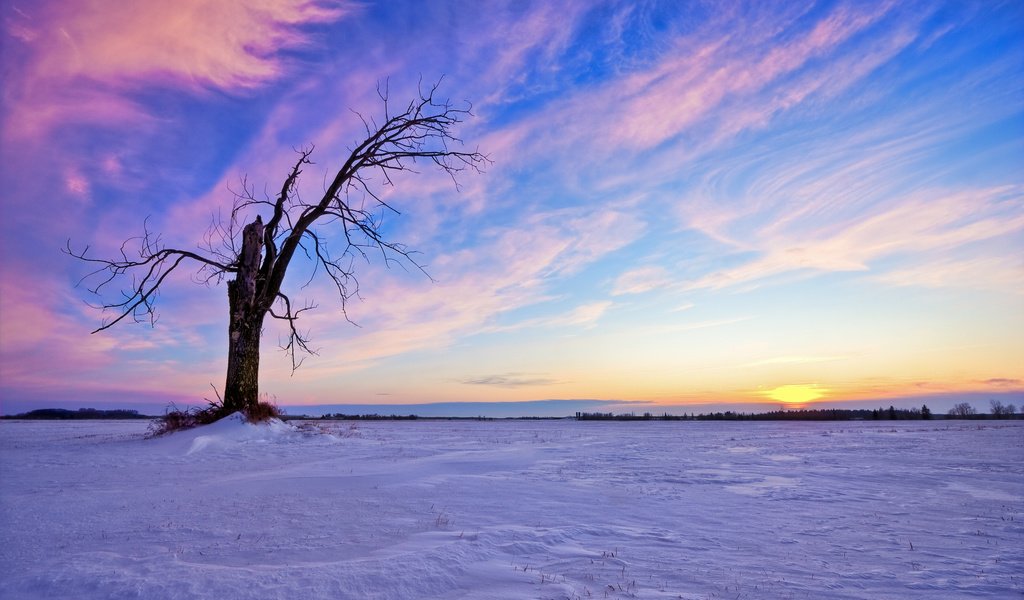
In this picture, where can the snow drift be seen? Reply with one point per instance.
(512, 510)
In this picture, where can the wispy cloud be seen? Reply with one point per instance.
(47, 348)
(84, 55)
(585, 316)
(474, 290)
(640, 280)
(1004, 273)
(534, 39)
(712, 84)
(679, 93)
(918, 225)
(511, 380)
(1003, 382)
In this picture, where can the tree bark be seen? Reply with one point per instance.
(241, 390)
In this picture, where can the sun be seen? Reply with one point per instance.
(796, 394)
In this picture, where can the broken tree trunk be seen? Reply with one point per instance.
(241, 390)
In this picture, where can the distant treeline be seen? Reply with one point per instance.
(58, 414)
(376, 417)
(961, 411)
(373, 417)
(823, 414)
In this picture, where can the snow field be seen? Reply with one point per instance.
(513, 510)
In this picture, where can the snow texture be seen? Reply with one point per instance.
(513, 510)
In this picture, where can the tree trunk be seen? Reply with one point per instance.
(241, 390)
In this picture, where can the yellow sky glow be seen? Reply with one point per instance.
(796, 394)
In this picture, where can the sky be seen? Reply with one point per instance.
(689, 204)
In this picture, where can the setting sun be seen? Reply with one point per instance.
(796, 394)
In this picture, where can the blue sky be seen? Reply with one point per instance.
(688, 202)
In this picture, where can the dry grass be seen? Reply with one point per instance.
(175, 419)
(263, 411)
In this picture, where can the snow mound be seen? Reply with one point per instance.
(230, 432)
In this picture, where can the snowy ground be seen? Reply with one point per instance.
(514, 509)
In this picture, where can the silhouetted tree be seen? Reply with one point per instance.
(926, 413)
(962, 410)
(1002, 411)
(256, 256)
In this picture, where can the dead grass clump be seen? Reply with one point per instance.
(263, 411)
(176, 419)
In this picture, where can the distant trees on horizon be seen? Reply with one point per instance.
(1002, 411)
(818, 414)
(61, 414)
(998, 410)
(962, 410)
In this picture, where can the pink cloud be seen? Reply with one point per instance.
(641, 280)
(531, 41)
(923, 225)
(700, 94)
(38, 343)
(77, 56)
(685, 89)
(46, 348)
(76, 184)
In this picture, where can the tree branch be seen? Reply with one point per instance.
(296, 340)
(147, 273)
(351, 209)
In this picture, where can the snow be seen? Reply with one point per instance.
(513, 510)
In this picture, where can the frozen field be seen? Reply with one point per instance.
(514, 509)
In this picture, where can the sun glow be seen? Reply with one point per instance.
(796, 394)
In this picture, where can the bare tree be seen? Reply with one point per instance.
(962, 410)
(257, 255)
(1002, 411)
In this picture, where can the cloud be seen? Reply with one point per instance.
(511, 380)
(79, 60)
(927, 223)
(475, 290)
(532, 42)
(729, 74)
(640, 280)
(679, 93)
(997, 273)
(585, 316)
(1003, 382)
(47, 350)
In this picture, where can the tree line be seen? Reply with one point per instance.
(63, 414)
(960, 411)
